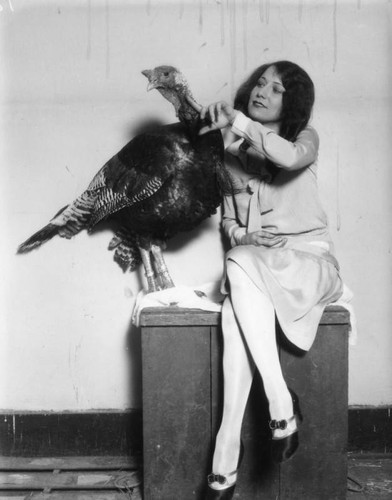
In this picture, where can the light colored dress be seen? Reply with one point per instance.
(302, 277)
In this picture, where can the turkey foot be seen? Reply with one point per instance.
(162, 276)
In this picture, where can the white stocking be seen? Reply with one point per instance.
(248, 324)
(238, 369)
(256, 316)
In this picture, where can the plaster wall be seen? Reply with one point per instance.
(72, 95)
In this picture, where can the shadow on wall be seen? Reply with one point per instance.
(134, 357)
(144, 127)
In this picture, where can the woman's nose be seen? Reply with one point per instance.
(264, 91)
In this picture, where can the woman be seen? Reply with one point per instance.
(281, 262)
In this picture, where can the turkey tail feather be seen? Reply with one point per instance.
(38, 238)
(68, 222)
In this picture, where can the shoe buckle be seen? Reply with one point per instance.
(216, 478)
(277, 424)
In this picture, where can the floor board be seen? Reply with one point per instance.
(70, 478)
(72, 495)
(118, 478)
(374, 475)
(68, 463)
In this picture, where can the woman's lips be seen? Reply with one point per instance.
(258, 104)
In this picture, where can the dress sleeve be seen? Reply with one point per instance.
(284, 154)
(230, 225)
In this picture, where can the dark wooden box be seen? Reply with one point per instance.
(182, 397)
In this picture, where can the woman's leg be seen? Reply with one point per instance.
(238, 369)
(256, 317)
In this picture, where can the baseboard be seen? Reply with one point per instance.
(117, 433)
(39, 434)
(370, 430)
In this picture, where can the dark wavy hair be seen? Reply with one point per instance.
(298, 99)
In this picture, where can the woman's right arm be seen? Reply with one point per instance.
(231, 228)
(238, 235)
(282, 153)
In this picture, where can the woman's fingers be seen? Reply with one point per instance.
(207, 128)
(218, 115)
(213, 112)
(266, 234)
(203, 112)
(263, 238)
(206, 115)
(269, 240)
(278, 241)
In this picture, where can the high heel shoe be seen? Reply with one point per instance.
(224, 493)
(283, 448)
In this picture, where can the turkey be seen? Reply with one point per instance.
(164, 181)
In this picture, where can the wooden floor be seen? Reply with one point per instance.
(70, 478)
(372, 475)
(118, 478)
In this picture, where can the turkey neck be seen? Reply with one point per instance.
(184, 111)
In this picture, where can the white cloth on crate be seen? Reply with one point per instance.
(208, 298)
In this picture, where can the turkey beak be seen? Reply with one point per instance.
(148, 74)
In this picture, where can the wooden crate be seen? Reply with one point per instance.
(182, 397)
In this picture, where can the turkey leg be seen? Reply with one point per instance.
(150, 274)
(161, 270)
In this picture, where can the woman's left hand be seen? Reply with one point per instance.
(219, 114)
(263, 238)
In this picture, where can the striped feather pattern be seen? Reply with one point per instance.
(99, 180)
(109, 202)
(150, 188)
(69, 221)
(76, 216)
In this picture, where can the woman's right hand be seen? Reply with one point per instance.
(263, 238)
(219, 115)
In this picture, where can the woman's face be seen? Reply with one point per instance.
(266, 98)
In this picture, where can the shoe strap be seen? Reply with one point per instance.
(219, 478)
(280, 424)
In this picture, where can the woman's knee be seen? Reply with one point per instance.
(235, 274)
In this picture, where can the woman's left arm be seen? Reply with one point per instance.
(284, 154)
